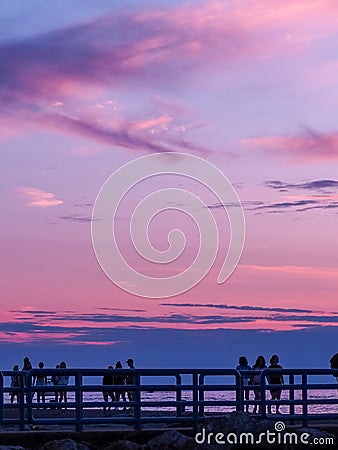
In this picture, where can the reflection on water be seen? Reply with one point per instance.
(219, 396)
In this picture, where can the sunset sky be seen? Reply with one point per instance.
(86, 87)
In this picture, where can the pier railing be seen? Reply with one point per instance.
(184, 396)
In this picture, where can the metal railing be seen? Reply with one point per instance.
(177, 395)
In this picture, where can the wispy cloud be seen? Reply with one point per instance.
(308, 145)
(316, 185)
(236, 307)
(39, 198)
(39, 74)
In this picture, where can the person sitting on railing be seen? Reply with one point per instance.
(258, 367)
(130, 379)
(108, 380)
(275, 378)
(119, 381)
(63, 381)
(15, 383)
(40, 380)
(243, 366)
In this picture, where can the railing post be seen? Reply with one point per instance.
(201, 395)
(292, 395)
(137, 400)
(78, 401)
(195, 396)
(28, 394)
(263, 395)
(1, 397)
(304, 399)
(240, 395)
(178, 395)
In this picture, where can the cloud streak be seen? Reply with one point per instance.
(39, 198)
(309, 145)
(39, 75)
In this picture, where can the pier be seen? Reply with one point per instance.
(176, 398)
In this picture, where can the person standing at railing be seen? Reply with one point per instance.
(334, 363)
(63, 381)
(119, 380)
(55, 381)
(130, 379)
(15, 383)
(243, 366)
(40, 380)
(258, 367)
(27, 366)
(275, 378)
(108, 380)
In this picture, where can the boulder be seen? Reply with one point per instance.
(64, 444)
(314, 433)
(171, 440)
(11, 447)
(123, 445)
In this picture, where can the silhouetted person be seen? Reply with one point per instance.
(40, 380)
(108, 380)
(63, 381)
(27, 366)
(259, 366)
(130, 379)
(243, 366)
(119, 380)
(334, 363)
(275, 378)
(15, 383)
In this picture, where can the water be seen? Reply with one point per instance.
(163, 397)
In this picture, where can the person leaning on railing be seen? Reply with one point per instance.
(243, 366)
(258, 367)
(108, 380)
(63, 381)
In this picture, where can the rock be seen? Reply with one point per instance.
(10, 447)
(64, 444)
(123, 445)
(171, 440)
(314, 433)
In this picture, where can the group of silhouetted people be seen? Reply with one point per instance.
(118, 379)
(254, 379)
(39, 380)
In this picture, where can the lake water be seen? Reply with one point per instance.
(164, 397)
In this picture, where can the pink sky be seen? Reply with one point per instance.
(248, 86)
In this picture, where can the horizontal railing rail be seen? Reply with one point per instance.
(187, 396)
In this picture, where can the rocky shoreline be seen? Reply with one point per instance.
(236, 431)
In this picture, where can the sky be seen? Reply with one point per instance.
(85, 88)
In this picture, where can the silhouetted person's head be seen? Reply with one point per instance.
(118, 365)
(274, 359)
(110, 367)
(16, 367)
(41, 365)
(242, 361)
(130, 362)
(63, 365)
(260, 361)
(57, 366)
